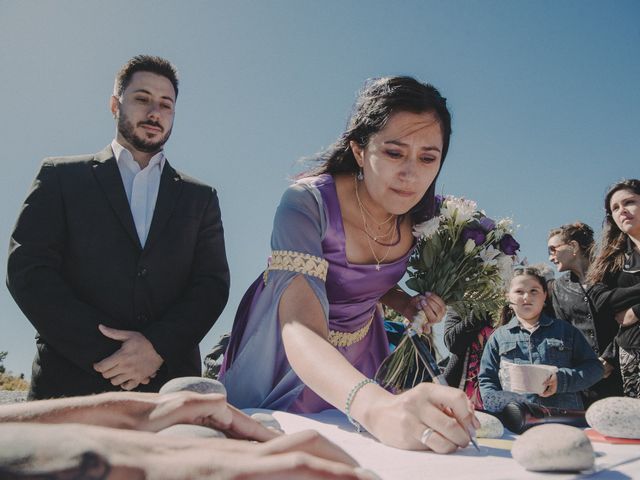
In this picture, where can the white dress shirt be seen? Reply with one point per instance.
(141, 186)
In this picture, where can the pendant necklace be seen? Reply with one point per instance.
(374, 238)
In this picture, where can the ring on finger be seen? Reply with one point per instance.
(426, 435)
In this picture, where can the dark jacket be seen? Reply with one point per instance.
(554, 342)
(459, 333)
(572, 303)
(75, 261)
(620, 291)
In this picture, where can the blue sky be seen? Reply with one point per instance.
(544, 97)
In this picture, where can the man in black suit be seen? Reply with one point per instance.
(117, 259)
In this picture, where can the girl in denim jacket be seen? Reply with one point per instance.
(527, 336)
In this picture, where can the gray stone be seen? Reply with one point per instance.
(554, 448)
(193, 384)
(615, 417)
(184, 430)
(490, 426)
(267, 420)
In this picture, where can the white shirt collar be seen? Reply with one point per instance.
(125, 158)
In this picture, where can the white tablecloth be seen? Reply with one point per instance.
(493, 461)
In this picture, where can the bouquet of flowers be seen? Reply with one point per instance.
(464, 257)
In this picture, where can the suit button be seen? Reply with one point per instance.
(142, 272)
(142, 318)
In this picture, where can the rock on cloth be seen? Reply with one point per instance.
(554, 448)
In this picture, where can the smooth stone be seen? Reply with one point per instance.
(554, 448)
(490, 426)
(267, 420)
(615, 417)
(193, 384)
(185, 430)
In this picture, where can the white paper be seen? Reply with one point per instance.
(524, 378)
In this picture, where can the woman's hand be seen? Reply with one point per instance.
(427, 417)
(429, 306)
(551, 386)
(608, 368)
(626, 318)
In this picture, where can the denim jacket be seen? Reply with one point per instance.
(554, 342)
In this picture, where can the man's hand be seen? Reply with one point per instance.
(135, 363)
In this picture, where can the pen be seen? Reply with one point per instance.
(433, 369)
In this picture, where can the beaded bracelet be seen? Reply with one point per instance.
(351, 396)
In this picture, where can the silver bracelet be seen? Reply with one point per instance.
(351, 396)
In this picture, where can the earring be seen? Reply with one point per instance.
(360, 175)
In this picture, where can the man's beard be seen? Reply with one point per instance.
(126, 129)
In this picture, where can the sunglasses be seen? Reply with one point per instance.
(554, 248)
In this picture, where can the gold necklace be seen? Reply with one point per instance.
(377, 237)
(364, 221)
(364, 209)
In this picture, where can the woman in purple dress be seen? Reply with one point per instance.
(309, 334)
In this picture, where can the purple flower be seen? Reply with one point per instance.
(487, 224)
(438, 203)
(508, 244)
(475, 234)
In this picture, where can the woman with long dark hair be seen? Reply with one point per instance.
(309, 332)
(571, 249)
(616, 275)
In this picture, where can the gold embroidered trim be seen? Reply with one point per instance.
(297, 262)
(345, 339)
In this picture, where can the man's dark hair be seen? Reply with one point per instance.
(145, 63)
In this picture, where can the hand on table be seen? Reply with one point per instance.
(429, 416)
(305, 454)
(83, 451)
(207, 410)
(135, 363)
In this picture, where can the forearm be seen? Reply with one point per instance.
(51, 306)
(586, 369)
(580, 378)
(124, 410)
(399, 300)
(335, 379)
(82, 451)
(617, 299)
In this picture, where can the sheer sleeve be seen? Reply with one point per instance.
(256, 371)
(296, 242)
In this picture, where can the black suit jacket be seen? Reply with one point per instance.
(75, 261)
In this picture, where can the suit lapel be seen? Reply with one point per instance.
(170, 187)
(106, 171)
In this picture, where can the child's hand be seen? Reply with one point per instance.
(551, 386)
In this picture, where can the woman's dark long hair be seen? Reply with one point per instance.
(613, 245)
(377, 100)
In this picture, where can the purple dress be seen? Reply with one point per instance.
(308, 239)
